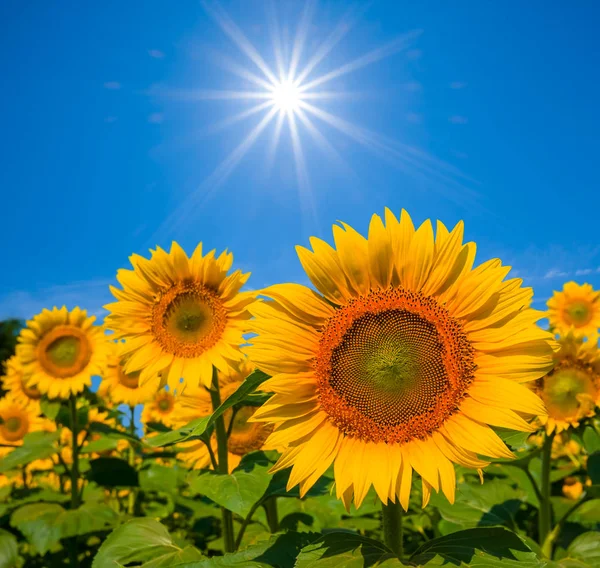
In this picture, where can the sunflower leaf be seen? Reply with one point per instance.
(494, 547)
(586, 547)
(8, 549)
(36, 446)
(112, 472)
(195, 429)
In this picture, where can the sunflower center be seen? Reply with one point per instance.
(247, 436)
(568, 391)
(129, 380)
(188, 319)
(14, 428)
(31, 392)
(165, 405)
(392, 366)
(578, 313)
(64, 351)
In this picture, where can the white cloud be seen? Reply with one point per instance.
(457, 85)
(457, 119)
(156, 118)
(89, 294)
(112, 85)
(555, 273)
(156, 53)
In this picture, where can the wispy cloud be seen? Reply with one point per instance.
(156, 53)
(156, 118)
(112, 85)
(458, 119)
(414, 54)
(88, 294)
(457, 85)
(555, 273)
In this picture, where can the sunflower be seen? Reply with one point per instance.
(16, 422)
(14, 381)
(400, 363)
(122, 387)
(572, 488)
(160, 408)
(181, 316)
(576, 309)
(571, 390)
(61, 350)
(244, 436)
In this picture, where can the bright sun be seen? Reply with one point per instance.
(286, 96)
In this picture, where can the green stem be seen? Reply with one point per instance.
(270, 506)
(73, 552)
(131, 460)
(392, 527)
(536, 489)
(553, 535)
(545, 514)
(221, 433)
(246, 522)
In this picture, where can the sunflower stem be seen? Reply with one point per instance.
(73, 552)
(393, 534)
(270, 506)
(545, 514)
(221, 432)
(131, 458)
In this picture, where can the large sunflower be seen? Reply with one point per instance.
(181, 316)
(14, 381)
(244, 436)
(16, 421)
(122, 387)
(60, 351)
(571, 390)
(576, 309)
(399, 364)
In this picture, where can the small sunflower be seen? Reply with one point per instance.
(400, 363)
(60, 351)
(576, 309)
(572, 488)
(244, 436)
(181, 316)
(571, 390)
(16, 422)
(14, 381)
(160, 408)
(122, 387)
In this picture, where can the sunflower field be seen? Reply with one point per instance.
(409, 409)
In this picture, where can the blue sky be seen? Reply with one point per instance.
(482, 111)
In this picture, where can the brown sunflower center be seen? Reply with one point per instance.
(578, 313)
(31, 392)
(247, 436)
(188, 319)
(165, 405)
(569, 391)
(129, 380)
(64, 351)
(13, 428)
(392, 366)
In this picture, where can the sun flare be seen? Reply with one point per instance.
(286, 96)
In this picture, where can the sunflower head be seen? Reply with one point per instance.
(571, 390)
(16, 382)
(183, 315)
(576, 310)
(60, 351)
(400, 361)
(122, 387)
(160, 408)
(16, 421)
(572, 488)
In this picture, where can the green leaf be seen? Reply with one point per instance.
(593, 467)
(344, 550)
(36, 446)
(495, 502)
(35, 496)
(494, 547)
(8, 550)
(44, 524)
(591, 440)
(63, 416)
(241, 489)
(183, 557)
(586, 547)
(138, 540)
(111, 432)
(50, 409)
(102, 444)
(112, 472)
(197, 427)
(159, 478)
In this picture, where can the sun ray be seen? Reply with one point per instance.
(275, 141)
(235, 34)
(275, 33)
(209, 94)
(301, 34)
(228, 64)
(226, 123)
